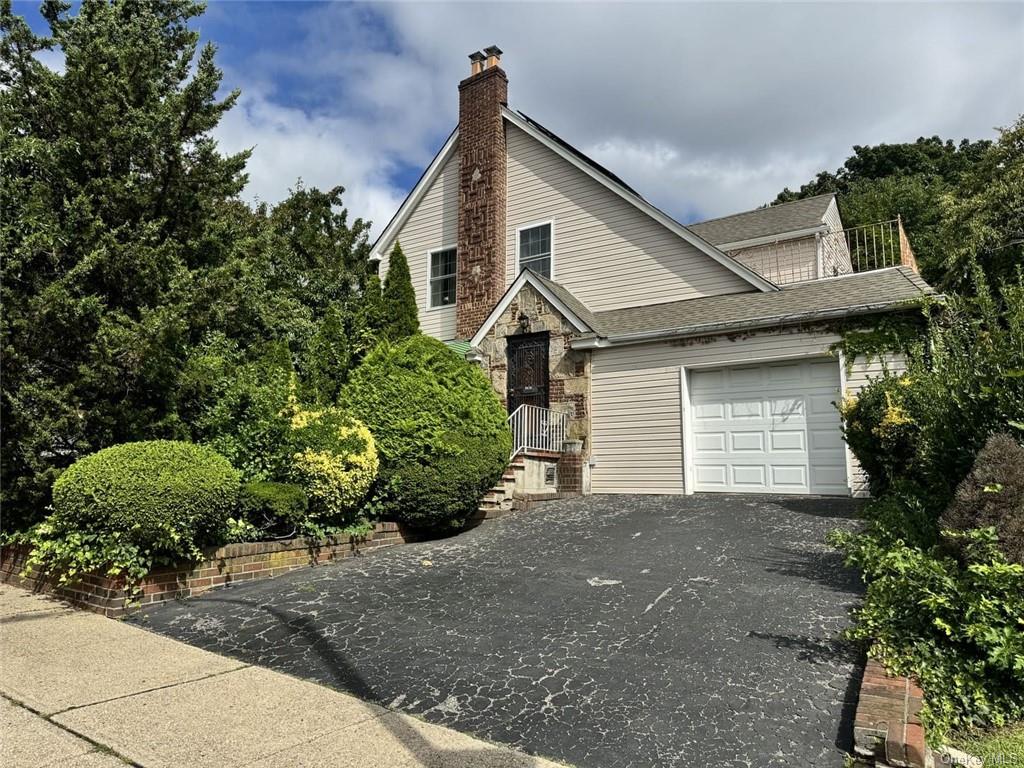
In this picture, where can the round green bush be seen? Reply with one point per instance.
(161, 495)
(276, 507)
(440, 429)
(334, 459)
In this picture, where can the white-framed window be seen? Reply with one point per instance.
(535, 247)
(442, 265)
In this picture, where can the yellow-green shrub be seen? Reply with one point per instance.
(334, 458)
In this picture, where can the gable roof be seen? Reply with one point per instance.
(571, 308)
(860, 293)
(585, 164)
(795, 216)
(845, 296)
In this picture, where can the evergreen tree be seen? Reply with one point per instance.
(401, 316)
(111, 186)
(327, 360)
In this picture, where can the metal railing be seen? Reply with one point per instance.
(537, 429)
(862, 249)
(830, 254)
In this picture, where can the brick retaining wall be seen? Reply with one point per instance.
(221, 565)
(887, 727)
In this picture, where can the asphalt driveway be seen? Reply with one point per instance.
(604, 631)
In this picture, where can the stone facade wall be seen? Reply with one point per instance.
(221, 565)
(568, 369)
(483, 170)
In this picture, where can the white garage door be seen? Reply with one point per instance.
(768, 429)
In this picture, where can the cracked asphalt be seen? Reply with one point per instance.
(600, 631)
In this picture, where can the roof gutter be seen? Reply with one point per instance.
(710, 329)
(775, 238)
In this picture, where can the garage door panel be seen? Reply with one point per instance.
(794, 477)
(745, 378)
(749, 476)
(708, 411)
(822, 440)
(712, 475)
(787, 408)
(746, 441)
(745, 409)
(785, 374)
(785, 440)
(768, 428)
(710, 442)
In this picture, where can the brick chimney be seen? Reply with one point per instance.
(481, 246)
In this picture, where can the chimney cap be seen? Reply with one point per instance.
(493, 50)
(476, 56)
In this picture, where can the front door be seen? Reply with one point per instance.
(527, 370)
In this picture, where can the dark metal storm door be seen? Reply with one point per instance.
(527, 370)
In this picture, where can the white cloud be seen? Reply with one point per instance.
(703, 108)
(323, 151)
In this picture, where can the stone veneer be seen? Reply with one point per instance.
(568, 369)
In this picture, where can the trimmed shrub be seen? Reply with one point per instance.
(126, 506)
(334, 459)
(439, 426)
(162, 493)
(448, 489)
(992, 496)
(273, 507)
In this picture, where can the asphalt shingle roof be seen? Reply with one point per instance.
(863, 292)
(762, 222)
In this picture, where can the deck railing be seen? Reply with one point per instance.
(537, 429)
(862, 249)
(830, 254)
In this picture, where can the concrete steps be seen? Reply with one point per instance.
(501, 499)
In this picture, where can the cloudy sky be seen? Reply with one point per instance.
(706, 109)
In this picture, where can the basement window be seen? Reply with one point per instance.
(535, 251)
(442, 277)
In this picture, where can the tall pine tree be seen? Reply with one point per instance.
(401, 316)
(111, 187)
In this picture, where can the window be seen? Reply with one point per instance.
(535, 249)
(442, 277)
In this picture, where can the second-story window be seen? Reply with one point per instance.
(535, 249)
(442, 277)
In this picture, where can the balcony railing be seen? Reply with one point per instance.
(830, 254)
(537, 429)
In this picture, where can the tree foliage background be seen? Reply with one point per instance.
(127, 250)
(960, 202)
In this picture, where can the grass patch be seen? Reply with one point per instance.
(1001, 746)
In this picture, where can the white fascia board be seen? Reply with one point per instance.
(776, 238)
(526, 276)
(412, 200)
(660, 216)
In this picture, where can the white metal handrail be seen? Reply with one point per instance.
(537, 429)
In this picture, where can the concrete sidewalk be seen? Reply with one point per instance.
(79, 689)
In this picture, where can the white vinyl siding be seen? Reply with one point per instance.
(609, 253)
(787, 261)
(636, 403)
(432, 226)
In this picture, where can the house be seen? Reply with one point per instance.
(674, 359)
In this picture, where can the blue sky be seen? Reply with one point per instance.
(706, 109)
